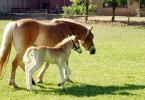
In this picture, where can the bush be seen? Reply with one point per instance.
(78, 10)
(92, 9)
(68, 11)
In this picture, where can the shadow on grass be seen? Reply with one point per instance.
(82, 90)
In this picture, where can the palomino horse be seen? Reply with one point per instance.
(27, 32)
(57, 55)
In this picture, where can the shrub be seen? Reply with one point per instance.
(79, 10)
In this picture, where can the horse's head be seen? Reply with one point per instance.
(76, 46)
(88, 41)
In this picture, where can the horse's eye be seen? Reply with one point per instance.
(92, 36)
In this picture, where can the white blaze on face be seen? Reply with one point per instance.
(78, 48)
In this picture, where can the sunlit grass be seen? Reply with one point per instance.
(116, 71)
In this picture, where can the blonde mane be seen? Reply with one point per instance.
(68, 20)
(63, 42)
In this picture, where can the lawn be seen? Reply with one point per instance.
(115, 72)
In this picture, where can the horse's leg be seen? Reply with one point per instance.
(65, 66)
(22, 65)
(17, 61)
(41, 73)
(61, 77)
(69, 80)
(13, 72)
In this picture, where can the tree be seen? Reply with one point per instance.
(85, 4)
(142, 4)
(80, 7)
(114, 4)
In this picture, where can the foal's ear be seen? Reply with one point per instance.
(76, 37)
(73, 37)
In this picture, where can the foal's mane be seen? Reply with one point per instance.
(63, 41)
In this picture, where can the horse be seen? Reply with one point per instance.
(56, 55)
(28, 32)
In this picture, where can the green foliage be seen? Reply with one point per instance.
(92, 9)
(68, 11)
(81, 2)
(119, 2)
(106, 1)
(78, 8)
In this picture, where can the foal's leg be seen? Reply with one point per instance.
(69, 80)
(61, 76)
(65, 66)
(30, 72)
(22, 65)
(26, 73)
(27, 67)
(41, 73)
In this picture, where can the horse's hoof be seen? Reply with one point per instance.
(13, 85)
(69, 80)
(33, 82)
(59, 84)
(39, 82)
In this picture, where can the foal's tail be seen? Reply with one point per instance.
(25, 57)
(6, 45)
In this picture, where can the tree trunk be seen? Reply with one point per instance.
(113, 15)
(86, 13)
(114, 5)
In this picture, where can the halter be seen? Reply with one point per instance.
(74, 46)
(86, 38)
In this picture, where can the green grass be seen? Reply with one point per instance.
(115, 72)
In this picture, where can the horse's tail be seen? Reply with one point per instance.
(6, 45)
(25, 57)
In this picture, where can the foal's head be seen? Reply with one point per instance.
(76, 46)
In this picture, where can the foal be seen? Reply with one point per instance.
(57, 55)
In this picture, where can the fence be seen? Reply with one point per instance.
(79, 18)
(38, 16)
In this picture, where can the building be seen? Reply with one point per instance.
(29, 5)
(123, 9)
(52, 6)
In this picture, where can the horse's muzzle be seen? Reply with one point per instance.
(92, 50)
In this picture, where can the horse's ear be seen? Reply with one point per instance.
(91, 28)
